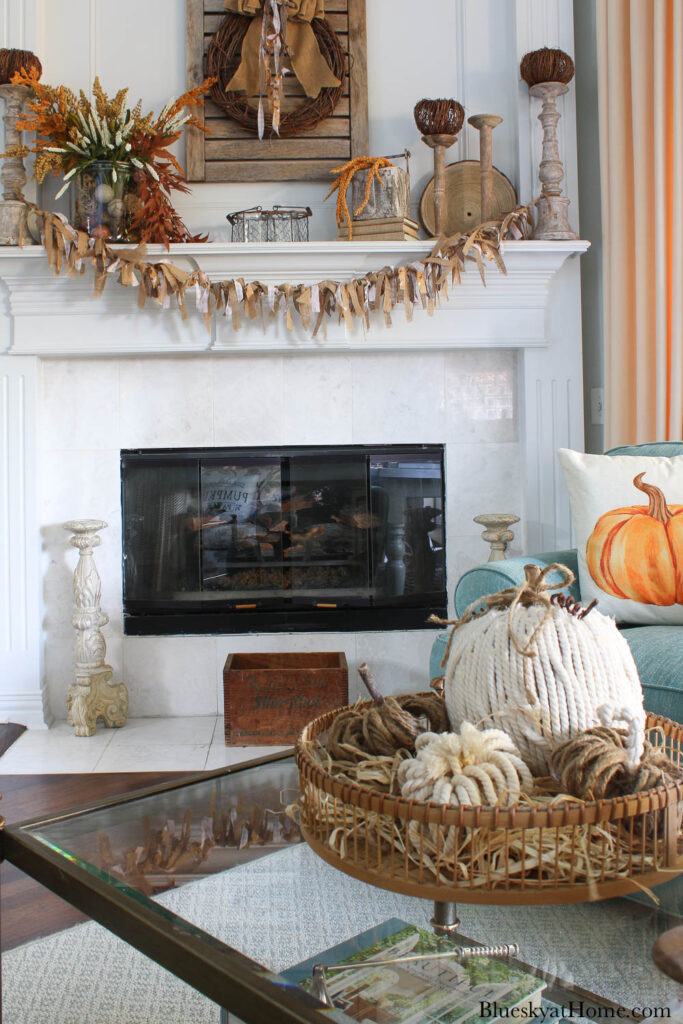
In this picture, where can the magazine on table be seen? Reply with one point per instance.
(434, 991)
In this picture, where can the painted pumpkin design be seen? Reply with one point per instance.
(637, 553)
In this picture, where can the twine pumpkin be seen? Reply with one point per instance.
(637, 552)
(539, 669)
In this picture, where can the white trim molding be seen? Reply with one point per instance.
(22, 698)
(53, 316)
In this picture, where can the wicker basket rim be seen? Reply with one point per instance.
(535, 815)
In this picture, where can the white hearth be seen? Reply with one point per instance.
(495, 374)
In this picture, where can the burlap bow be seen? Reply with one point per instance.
(308, 63)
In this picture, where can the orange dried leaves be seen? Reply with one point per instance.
(371, 164)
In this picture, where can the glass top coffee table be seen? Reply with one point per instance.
(210, 878)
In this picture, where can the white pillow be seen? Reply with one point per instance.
(629, 534)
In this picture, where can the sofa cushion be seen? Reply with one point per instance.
(658, 654)
(627, 516)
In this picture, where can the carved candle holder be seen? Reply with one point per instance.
(13, 207)
(497, 533)
(552, 205)
(485, 123)
(439, 143)
(91, 696)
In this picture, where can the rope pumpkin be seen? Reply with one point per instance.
(472, 768)
(539, 668)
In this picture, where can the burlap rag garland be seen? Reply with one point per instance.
(424, 283)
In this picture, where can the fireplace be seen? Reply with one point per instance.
(237, 540)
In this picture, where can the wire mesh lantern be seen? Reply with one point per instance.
(281, 224)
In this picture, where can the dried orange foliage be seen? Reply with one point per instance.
(372, 164)
(73, 131)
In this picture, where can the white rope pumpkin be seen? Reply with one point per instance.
(540, 671)
(473, 768)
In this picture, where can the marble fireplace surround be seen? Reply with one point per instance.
(495, 373)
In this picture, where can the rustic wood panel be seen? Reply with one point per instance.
(358, 51)
(276, 149)
(223, 128)
(194, 67)
(229, 153)
(269, 170)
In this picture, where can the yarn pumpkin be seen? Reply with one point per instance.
(538, 669)
(637, 552)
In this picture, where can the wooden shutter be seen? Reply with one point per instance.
(229, 153)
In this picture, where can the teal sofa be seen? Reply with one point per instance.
(657, 650)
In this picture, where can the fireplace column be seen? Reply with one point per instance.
(22, 697)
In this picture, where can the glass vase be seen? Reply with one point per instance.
(99, 197)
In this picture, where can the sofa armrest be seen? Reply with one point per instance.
(509, 572)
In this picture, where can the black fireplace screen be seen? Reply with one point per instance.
(236, 540)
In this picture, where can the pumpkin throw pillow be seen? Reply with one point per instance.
(627, 512)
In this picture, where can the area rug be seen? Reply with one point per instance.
(291, 905)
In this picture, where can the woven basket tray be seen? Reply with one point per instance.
(527, 854)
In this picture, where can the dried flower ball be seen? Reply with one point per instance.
(12, 61)
(546, 66)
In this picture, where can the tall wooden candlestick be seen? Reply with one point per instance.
(439, 143)
(552, 205)
(13, 206)
(485, 123)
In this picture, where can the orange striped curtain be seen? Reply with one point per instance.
(640, 84)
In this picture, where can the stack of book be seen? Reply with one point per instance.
(381, 229)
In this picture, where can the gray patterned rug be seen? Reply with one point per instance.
(85, 975)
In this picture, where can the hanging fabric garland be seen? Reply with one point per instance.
(422, 283)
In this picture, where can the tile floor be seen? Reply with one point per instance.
(144, 744)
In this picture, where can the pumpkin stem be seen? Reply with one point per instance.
(658, 507)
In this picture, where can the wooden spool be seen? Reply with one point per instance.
(643, 829)
(463, 198)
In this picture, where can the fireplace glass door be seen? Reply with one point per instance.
(258, 540)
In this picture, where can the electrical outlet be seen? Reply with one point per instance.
(597, 406)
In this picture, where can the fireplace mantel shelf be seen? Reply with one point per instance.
(56, 316)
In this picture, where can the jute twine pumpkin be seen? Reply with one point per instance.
(598, 765)
(472, 768)
(539, 668)
(390, 724)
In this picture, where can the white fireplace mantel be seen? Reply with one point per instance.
(534, 308)
(58, 316)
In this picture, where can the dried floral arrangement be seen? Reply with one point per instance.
(73, 131)
(345, 173)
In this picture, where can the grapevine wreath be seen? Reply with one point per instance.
(223, 59)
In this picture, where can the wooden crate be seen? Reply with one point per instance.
(269, 698)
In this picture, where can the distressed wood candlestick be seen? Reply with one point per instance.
(485, 123)
(13, 206)
(552, 205)
(439, 143)
(91, 695)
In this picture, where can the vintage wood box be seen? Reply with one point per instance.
(269, 698)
